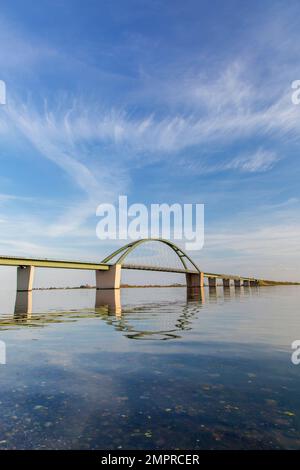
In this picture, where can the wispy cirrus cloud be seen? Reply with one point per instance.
(55, 140)
(221, 116)
(259, 161)
(77, 137)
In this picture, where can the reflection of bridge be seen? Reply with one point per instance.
(108, 300)
(109, 303)
(108, 272)
(141, 320)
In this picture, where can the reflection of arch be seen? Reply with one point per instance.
(122, 319)
(124, 251)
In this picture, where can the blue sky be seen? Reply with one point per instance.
(165, 101)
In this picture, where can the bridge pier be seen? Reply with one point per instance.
(212, 282)
(237, 283)
(25, 275)
(246, 283)
(226, 282)
(253, 283)
(110, 279)
(194, 280)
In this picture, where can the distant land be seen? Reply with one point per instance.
(264, 282)
(261, 283)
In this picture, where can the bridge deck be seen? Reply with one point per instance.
(233, 277)
(49, 263)
(183, 271)
(157, 268)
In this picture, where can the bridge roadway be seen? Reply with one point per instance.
(49, 263)
(64, 264)
(186, 271)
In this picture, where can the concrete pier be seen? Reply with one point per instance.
(237, 283)
(246, 283)
(194, 280)
(226, 282)
(25, 275)
(212, 282)
(110, 279)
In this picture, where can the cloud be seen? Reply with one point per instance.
(21, 51)
(269, 250)
(259, 161)
(275, 240)
(225, 114)
(262, 160)
(53, 137)
(97, 147)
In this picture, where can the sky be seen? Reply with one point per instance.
(162, 101)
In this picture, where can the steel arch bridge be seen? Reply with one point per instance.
(108, 272)
(122, 253)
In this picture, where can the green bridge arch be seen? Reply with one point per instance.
(125, 250)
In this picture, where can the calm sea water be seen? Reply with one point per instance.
(154, 369)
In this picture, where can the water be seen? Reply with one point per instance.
(154, 369)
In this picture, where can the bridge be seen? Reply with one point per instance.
(108, 271)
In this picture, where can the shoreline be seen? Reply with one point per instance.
(151, 286)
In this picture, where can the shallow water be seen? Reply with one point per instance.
(154, 369)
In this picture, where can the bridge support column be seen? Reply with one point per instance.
(253, 283)
(212, 282)
(237, 283)
(246, 283)
(194, 280)
(226, 282)
(25, 275)
(110, 279)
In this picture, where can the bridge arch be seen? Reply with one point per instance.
(124, 251)
(111, 279)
